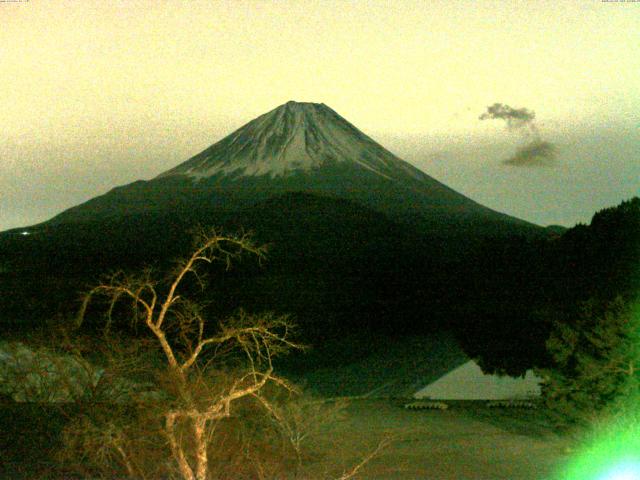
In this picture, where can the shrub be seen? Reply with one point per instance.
(596, 362)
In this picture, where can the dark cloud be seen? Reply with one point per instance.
(537, 153)
(515, 117)
(534, 151)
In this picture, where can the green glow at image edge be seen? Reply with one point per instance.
(614, 456)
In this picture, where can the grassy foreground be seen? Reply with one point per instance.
(467, 441)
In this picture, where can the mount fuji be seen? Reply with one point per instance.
(292, 139)
(298, 147)
(357, 236)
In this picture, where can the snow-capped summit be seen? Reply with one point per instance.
(296, 148)
(294, 137)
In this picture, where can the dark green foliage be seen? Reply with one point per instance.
(596, 361)
(502, 293)
(340, 267)
(29, 440)
(333, 263)
(515, 289)
(602, 259)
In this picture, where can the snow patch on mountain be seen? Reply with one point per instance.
(295, 137)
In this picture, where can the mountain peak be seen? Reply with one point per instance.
(296, 147)
(293, 138)
(295, 104)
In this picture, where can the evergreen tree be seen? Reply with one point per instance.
(596, 361)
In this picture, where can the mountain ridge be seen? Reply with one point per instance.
(359, 238)
(305, 147)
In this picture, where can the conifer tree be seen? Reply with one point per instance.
(596, 361)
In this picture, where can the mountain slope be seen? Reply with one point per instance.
(360, 240)
(292, 138)
(300, 147)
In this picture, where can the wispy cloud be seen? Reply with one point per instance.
(537, 153)
(515, 117)
(534, 151)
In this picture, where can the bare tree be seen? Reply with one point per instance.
(179, 327)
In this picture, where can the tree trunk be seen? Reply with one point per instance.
(176, 449)
(202, 461)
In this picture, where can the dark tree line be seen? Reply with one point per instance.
(338, 267)
(526, 290)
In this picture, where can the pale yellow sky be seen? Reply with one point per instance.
(90, 74)
(400, 66)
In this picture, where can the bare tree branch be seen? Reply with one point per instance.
(260, 337)
(375, 452)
